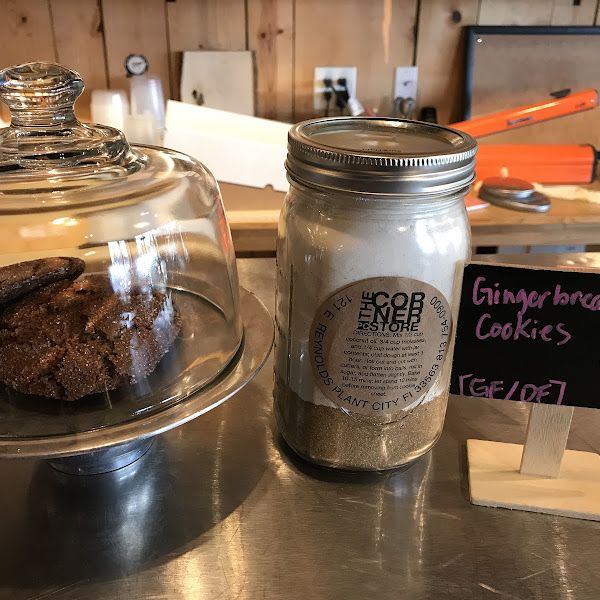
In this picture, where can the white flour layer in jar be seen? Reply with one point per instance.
(330, 252)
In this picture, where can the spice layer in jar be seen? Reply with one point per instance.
(371, 235)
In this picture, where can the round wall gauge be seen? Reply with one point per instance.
(136, 64)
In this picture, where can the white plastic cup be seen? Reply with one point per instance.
(141, 129)
(110, 107)
(147, 100)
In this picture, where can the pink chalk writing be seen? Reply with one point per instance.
(494, 294)
(588, 301)
(526, 327)
(522, 328)
(554, 390)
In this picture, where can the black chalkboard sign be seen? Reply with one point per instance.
(528, 334)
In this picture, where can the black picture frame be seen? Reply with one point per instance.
(474, 31)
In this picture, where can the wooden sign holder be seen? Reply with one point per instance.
(541, 476)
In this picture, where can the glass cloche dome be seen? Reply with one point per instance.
(118, 285)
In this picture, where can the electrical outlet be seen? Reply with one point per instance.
(406, 82)
(333, 73)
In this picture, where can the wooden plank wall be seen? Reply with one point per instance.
(289, 38)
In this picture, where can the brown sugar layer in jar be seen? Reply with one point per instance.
(330, 437)
(71, 339)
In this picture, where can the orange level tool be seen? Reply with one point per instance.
(528, 115)
(542, 163)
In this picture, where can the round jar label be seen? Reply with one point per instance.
(377, 345)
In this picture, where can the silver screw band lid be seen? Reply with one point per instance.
(380, 156)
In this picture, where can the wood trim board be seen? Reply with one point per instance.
(568, 222)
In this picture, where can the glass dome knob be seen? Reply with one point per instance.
(44, 132)
(40, 93)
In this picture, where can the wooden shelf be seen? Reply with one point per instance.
(567, 222)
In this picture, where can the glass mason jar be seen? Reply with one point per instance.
(370, 237)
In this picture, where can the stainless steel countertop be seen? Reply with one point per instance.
(219, 509)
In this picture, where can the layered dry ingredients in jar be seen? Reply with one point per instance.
(370, 238)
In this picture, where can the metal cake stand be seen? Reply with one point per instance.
(104, 449)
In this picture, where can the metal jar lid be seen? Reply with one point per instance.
(380, 156)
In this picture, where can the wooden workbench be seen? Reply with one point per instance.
(253, 216)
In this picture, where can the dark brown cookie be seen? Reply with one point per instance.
(25, 277)
(68, 340)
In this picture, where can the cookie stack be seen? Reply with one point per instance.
(64, 336)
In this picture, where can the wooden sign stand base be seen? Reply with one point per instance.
(540, 476)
